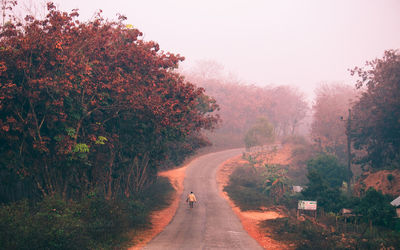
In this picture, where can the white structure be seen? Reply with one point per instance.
(297, 189)
(396, 202)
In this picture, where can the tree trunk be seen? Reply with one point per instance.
(109, 178)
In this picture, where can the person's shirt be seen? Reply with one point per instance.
(192, 197)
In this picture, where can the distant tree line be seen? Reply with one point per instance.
(242, 106)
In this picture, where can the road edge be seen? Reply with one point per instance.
(160, 219)
(249, 225)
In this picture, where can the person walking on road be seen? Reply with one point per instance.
(191, 199)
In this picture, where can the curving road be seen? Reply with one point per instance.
(211, 224)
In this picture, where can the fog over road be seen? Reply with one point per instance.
(211, 224)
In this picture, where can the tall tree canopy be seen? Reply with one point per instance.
(87, 106)
(376, 125)
(328, 130)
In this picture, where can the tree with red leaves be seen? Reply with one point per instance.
(87, 106)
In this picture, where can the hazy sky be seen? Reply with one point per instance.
(298, 42)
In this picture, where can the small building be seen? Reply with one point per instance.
(346, 213)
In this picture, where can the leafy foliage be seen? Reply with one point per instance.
(329, 168)
(328, 130)
(376, 207)
(245, 188)
(90, 106)
(261, 133)
(376, 129)
(310, 235)
(94, 223)
(325, 176)
(252, 187)
(243, 104)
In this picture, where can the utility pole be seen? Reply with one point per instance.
(348, 134)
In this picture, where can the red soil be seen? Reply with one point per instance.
(380, 181)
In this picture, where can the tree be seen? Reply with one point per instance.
(325, 176)
(376, 127)
(90, 106)
(318, 189)
(242, 104)
(329, 168)
(327, 129)
(261, 133)
(287, 109)
(375, 208)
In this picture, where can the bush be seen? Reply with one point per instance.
(329, 168)
(375, 207)
(305, 234)
(50, 224)
(93, 223)
(326, 175)
(104, 220)
(157, 196)
(245, 188)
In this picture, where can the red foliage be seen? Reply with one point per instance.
(64, 83)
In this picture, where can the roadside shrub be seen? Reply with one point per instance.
(245, 188)
(325, 176)
(104, 220)
(158, 195)
(50, 224)
(93, 223)
(375, 207)
(305, 234)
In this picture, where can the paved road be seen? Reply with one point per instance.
(211, 224)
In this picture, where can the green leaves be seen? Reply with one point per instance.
(70, 132)
(81, 148)
(101, 140)
(375, 124)
(261, 133)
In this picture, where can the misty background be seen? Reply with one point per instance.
(296, 43)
